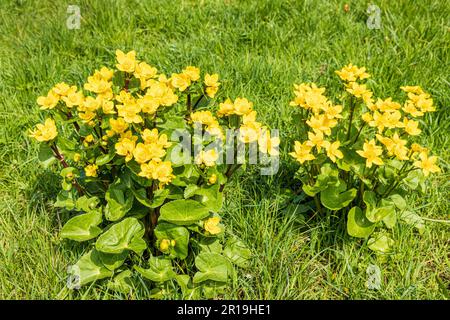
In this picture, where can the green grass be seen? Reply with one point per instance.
(259, 48)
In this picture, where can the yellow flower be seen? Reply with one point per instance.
(267, 144)
(242, 106)
(203, 117)
(192, 72)
(359, 90)
(89, 138)
(302, 152)
(125, 147)
(316, 139)
(148, 104)
(415, 147)
(126, 62)
(161, 93)
(321, 123)
(91, 170)
(63, 89)
(141, 153)
(425, 104)
(411, 127)
(367, 117)
(412, 89)
(212, 84)
(76, 157)
(106, 73)
(333, 151)
(129, 112)
(157, 170)
(145, 71)
(208, 158)
(108, 107)
(211, 225)
(87, 116)
(74, 99)
(226, 108)
(89, 104)
(333, 111)
(164, 245)
(411, 109)
(387, 105)
(181, 81)
(371, 152)
(351, 73)
(97, 84)
(211, 91)
(395, 146)
(150, 136)
(48, 102)
(118, 125)
(427, 164)
(212, 179)
(44, 132)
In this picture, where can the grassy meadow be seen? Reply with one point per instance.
(259, 49)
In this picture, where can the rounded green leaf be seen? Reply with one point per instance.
(212, 266)
(160, 270)
(335, 197)
(183, 212)
(382, 243)
(238, 253)
(357, 224)
(89, 268)
(173, 232)
(119, 201)
(125, 235)
(83, 227)
(379, 213)
(113, 261)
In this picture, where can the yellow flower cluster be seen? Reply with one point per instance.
(191, 74)
(44, 132)
(324, 117)
(147, 153)
(390, 118)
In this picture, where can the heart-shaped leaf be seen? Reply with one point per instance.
(125, 235)
(238, 253)
(183, 212)
(177, 233)
(83, 227)
(120, 201)
(212, 266)
(336, 197)
(358, 225)
(89, 268)
(160, 270)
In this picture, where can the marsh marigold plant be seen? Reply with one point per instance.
(360, 157)
(141, 211)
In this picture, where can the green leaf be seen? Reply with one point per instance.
(65, 200)
(89, 268)
(45, 155)
(86, 203)
(212, 266)
(105, 158)
(377, 214)
(210, 244)
(113, 261)
(238, 253)
(357, 224)
(173, 232)
(328, 176)
(190, 190)
(211, 197)
(183, 212)
(160, 270)
(382, 243)
(159, 196)
(370, 199)
(125, 235)
(83, 227)
(122, 283)
(336, 197)
(120, 201)
(398, 201)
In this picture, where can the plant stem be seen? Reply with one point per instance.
(189, 104)
(318, 205)
(352, 109)
(63, 162)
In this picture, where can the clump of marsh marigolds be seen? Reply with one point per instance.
(360, 158)
(145, 205)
